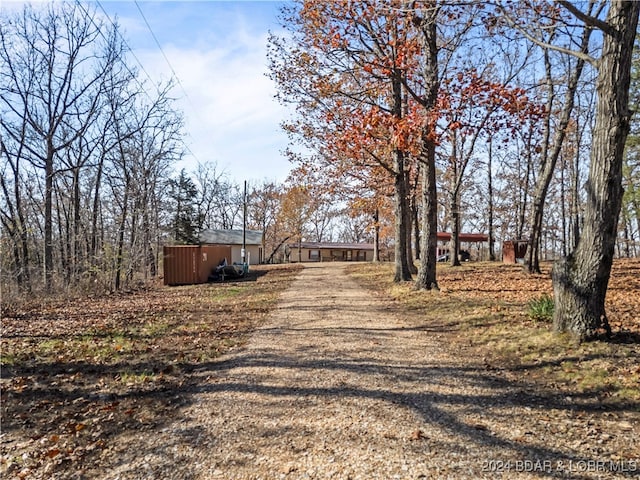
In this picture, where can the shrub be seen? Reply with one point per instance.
(541, 308)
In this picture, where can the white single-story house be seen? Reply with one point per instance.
(234, 239)
(329, 252)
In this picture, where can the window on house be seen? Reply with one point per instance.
(314, 255)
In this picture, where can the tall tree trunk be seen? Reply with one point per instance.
(410, 200)
(95, 210)
(16, 258)
(149, 256)
(524, 189)
(429, 243)
(416, 225)
(580, 281)
(575, 207)
(563, 208)
(48, 218)
(454, 246)
(627, 236)
(133, 247)
(120, 247)
(76, 257)
(376, 235)
(426, 279)
(454, 198)
(402, 272)
(542, 186)
(24, 242)
(64, 236)
(454, 249)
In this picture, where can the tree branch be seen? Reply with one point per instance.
(589, 20)
(583, 56)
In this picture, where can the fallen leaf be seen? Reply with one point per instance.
(53, 452)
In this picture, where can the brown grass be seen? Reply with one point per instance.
(482, 309)
(77, 373)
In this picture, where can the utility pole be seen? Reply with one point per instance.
(244, 228)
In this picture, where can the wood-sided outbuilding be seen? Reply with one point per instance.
(192, 264)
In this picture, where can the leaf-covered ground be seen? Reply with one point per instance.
(78, 373)
(484, 310)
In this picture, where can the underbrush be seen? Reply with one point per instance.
(541, 308)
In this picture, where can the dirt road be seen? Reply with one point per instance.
(338, 385)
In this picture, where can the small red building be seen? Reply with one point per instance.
(514, 251)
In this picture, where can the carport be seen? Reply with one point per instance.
(473, 240)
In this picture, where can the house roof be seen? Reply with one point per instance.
(332, 246)
(464, 237)
(230, 237)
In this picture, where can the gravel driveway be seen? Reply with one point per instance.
(337, 385)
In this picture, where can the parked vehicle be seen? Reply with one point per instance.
(224, 270)
(463, 255)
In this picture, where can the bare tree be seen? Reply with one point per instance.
(136, 169)
(93, 144)
(212, 192)
(551, 149)
(263, 204)
(53, 69)
(12, 214)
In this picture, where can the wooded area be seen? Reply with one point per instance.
(520, 111)
(411, 117)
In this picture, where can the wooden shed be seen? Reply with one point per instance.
(191, 264)
(514, 251)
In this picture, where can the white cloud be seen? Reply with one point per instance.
(231, 116)
(230, 112)
(218, 52)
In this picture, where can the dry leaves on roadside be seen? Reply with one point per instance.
(78, 373)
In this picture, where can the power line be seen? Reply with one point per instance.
(130, 50)
(155, 39)
(93, 21)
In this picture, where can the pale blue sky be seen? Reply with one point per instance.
(217, 50)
